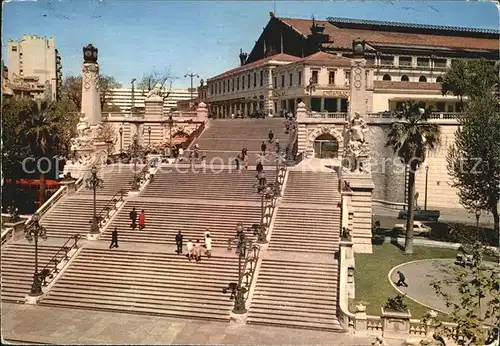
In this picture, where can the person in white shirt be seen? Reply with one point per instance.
(208, 245)
(207, 232)
(190, 249)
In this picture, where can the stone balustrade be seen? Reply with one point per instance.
(328, 115)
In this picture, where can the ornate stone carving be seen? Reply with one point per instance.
(316, 132)
(358, 128)
(356, 154)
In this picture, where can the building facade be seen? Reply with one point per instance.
(124, 98)
(35, 67)
(299, 59)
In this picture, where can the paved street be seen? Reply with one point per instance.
(66, 326)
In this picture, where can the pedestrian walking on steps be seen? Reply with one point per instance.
(263, 148)
(142, 220)
(270, 136)
(114, 238)
(206, 233)
(133, 217)
(260, 167)
(178, 241)
(197, 250)
(237, 160)
(401, 281)
(208, 245)
(245, 160)
(190, 250)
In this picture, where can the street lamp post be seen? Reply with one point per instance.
(191, 75)
(426, 181)
(149, 133)
(133, 97)
(310, 88)
(170, 122)
(33, 231)
(93, 183)
(134, 148)
(478, 215)
(121, 139)
(239, 294)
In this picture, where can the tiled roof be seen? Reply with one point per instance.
(343, 37)
(255, 64)
(385, 84)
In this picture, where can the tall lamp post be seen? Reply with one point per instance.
(149, 133)
(426, 181)
(133, 97)
(170, 122)
(93, 183)
(121, 139)
(134, 148)
(191, 75)
(34, 231)
(310, 88)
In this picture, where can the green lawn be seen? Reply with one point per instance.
(372, 284)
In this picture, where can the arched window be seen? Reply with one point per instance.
(439, 79)
(386, 77)
(404, 78)
(326, 147)
(422, 79)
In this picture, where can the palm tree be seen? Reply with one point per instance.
(40, 126)
(411, 137)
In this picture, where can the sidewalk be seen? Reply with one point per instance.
(67, 326)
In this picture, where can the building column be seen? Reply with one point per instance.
(339, 104)
(322, 107)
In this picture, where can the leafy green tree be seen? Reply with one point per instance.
(41, 127)
(474, 159)
(471, 78)
(411, 137)
(478, 300)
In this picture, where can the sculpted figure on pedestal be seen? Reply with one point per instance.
(358, 128)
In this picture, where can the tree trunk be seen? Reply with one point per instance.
(496, 221)
(41, 196)
(409, 222)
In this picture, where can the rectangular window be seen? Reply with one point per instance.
(441, 63)
(224, 86)
(422, 62)
(254, 79)
(440, 106)
(450, 108)
(261, 78)
(243, 83)
(211, 88)
(331, 77)
(238, 83)
(248, 83)
(387, 60)
(283, 80)
(291, 79)
(300, 77)
(232, 84)
(314, 77)
(347, 77)
(275, 82)
(14, 48)
(405, 61)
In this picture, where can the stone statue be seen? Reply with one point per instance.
(358, 128)
(83, 127)
(155, 91)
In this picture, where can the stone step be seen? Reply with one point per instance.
(146, 283)
(295, 294)
(17, 267)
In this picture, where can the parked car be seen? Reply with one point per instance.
(418, 227)
(421, 214)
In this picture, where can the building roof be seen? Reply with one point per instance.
(278, 57)
(342, 37)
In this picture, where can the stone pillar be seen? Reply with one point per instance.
(202, 112)
(153, 108)
(302, 115)
(322, 106)
(339, 105)
(91, 102)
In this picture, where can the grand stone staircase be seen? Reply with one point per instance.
(18, 266)
(224, 139)
(146, 283)
(297, 282)
(116, 177)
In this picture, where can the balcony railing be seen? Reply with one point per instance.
(328, 115)
(434, 115)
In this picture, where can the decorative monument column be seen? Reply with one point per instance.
(356, 170)
(88, 148)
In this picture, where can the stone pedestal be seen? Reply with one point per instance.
(362, 186)
(202, 112)
(32, 300)
(396, 324)
(153, 107)
(91, 102)
(238, 318)
(70, 185)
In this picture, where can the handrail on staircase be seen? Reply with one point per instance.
(64, 250)
(251, 259)
(110, 205)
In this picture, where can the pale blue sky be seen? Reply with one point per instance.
(203, 37)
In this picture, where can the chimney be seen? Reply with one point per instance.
(243, 57)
